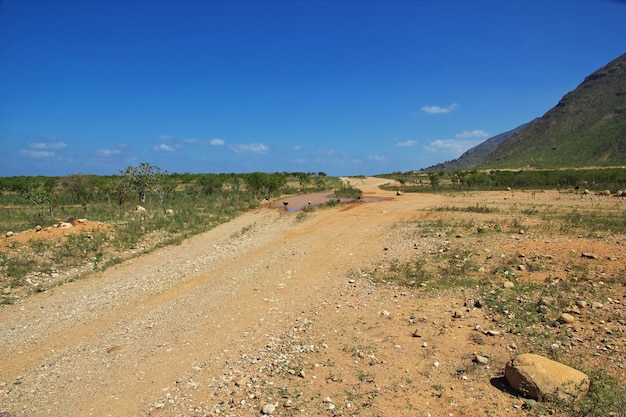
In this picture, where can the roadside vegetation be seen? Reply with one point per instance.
(176, 206)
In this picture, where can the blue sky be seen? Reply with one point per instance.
(343, 87)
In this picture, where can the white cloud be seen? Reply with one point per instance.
(323, 152)
(108, 152)
(438, 109)
(250, 148)
(450, 146)
(407, 143)
(165, 138)
(376, 158)
(212, 142)
(472, 134)
(37, 154)
(45, 145)
(164, 148)
(44, 149)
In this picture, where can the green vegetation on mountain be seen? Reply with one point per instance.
(586, 128)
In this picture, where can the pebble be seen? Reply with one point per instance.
(566, 318)
(483, 360)
(268, 409)
(508, 284)
(530, 403)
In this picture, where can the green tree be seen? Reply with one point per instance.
(141, 178)
(434, 179)
(41, 192)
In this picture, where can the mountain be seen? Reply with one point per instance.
(586, 128)
(476, 155)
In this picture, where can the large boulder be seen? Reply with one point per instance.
(542, 379)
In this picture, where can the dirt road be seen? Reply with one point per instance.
(110, 344)
(203, 327)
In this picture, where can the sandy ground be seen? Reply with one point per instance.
(271, 309)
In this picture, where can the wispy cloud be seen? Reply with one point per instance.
(108, 152)
(45, 147)
(212, 142)
(462, 142)
(377, 158)
(164, 148)
(472, 134)
(37, 154)
(165, 138)
(445, 145)
(257, 148)
(406, 143)
(438, 109)
(324, 152)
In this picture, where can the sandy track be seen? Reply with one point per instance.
(110, 344)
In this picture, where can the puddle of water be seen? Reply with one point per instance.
(295, 203)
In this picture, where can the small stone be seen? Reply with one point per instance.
(566, 318)
(492, 332)
(9, 234)
(457, 314)
(596, 305)
(530, 403)
(483, 360)
(7, 291)
(508, 284)
(384, 313)
(268, 409)
(589, 255)
(521, 267)
(416, 333)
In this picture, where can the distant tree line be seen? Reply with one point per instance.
(601, 178)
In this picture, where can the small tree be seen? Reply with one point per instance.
(41, 192)
(141, 178)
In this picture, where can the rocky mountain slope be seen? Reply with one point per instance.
(586, 128)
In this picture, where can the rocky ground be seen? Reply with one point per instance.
(288, 314)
